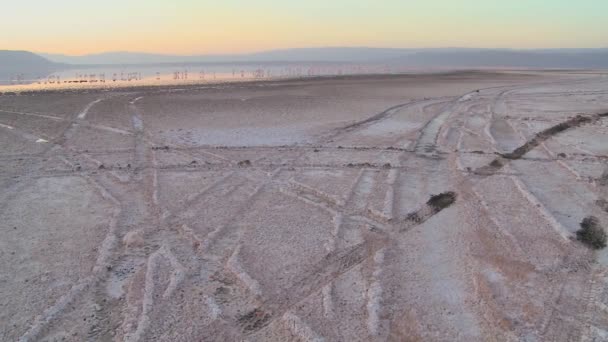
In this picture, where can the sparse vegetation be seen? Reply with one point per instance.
(442, 201)
(602, 203)
(366, 164)
(591, 233)
(244, 163)
(255, 319)
(546, 134)
(414, 217)
(496, 163)
(603, 181)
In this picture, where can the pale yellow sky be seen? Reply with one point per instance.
(229, 26)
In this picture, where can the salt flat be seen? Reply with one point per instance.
(304, 210)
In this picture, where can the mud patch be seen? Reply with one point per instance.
(254, 320)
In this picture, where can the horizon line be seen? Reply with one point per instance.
(307, 48)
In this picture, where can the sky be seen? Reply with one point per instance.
(79, 27)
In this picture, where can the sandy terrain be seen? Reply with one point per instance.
(305, 211)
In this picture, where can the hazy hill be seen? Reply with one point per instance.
(441, 57)
(13, 63)
(288, 55)
(32, 65)
(575, 58)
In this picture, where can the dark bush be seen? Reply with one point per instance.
(244, 163)
(591, 233)
(496, 163)
(442, 201)
(414, 217)
(602, 203)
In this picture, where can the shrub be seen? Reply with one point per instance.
(414, 217)
(591, 233)
(496, 163)
(442, 201)
(602, 203)
(244, 163)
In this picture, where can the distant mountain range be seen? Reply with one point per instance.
(13, 63)
(16, 62)
(329, 54)
(440, 57)
(575, 59)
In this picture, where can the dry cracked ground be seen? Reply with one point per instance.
(409, 208)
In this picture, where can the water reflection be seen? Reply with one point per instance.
(134, 75)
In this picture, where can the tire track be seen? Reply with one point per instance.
(98, 272)
(374, 118)
(503, 159)
(86, 109)
(519, 153)
(333, 265)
